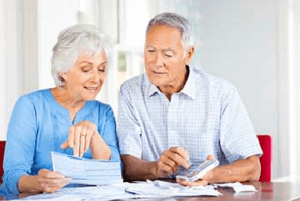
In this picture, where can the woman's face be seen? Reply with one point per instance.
(86, 77)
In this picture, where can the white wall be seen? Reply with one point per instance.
(2, 73)
(240, 44)
(9, 60)
(53, 16)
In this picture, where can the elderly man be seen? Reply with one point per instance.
(175, 115)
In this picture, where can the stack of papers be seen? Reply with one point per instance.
(167, 189)
(148, 189)
(86, 171)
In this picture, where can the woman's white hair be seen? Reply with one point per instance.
(178, 22)
(71, 43)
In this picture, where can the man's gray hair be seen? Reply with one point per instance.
(178, 22)
(71, 43)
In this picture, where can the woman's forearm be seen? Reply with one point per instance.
(29, 184)
(99, 149)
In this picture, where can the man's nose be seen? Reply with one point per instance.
(159, 60)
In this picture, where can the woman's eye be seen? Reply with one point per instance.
(151, 50)
(102, 68)
(86, 69)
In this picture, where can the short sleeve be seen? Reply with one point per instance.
(237, 136)
(128, 129)
(20, 144)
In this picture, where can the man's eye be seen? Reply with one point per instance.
(101, 70)
(168, 55)
(151, 50)
(85, 70)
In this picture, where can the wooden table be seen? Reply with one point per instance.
(280, 191)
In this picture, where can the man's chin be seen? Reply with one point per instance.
(157, 81)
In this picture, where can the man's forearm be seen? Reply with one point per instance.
(137, 169)
(242, 170)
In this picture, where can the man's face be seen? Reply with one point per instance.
(165, 58)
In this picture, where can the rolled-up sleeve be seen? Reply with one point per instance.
(20, 144)
(237, 136)
(128, 129)
(109, 134)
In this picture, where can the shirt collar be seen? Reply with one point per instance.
(190, 86)
(152, 89)
(188, 89)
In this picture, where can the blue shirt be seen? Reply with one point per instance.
(206, 117)
(39, 125)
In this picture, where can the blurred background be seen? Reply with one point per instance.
(255, 44)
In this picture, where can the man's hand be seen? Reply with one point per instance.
(201, 182)
(80, 136)
(170, 160)
(51, 181)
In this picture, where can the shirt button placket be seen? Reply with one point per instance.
(172, 121)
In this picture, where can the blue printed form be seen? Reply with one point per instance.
(86, 171)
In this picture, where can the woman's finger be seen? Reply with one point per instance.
(71, 136)
(82, 141)
(77, 133)
(87, 141)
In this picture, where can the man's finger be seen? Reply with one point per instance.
(184, 154)
(210, 157)
(200, 182)
(178, 158)
(165, 160)
(164, 169)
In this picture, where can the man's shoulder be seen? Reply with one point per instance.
(211, 82)
(135, 84)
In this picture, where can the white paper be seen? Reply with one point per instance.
(102, 192)
(238, 187)
(167, 189)
(86, 171)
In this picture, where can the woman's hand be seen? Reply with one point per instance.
(51, 181)
(80, 136)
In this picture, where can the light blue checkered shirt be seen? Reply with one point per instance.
(206, 117)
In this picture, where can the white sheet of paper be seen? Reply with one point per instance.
(102, 192)
(238, 187)
(86, 171)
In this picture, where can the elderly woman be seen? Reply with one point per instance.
(64, 119)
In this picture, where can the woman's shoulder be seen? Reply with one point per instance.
(35, 96)
(103, 109)
(100, 105)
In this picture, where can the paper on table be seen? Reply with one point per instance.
(86, 171)
(238, 187)
(101, 192)
(167, 189)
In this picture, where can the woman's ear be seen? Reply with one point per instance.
(62, 78)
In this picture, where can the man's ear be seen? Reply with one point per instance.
(189, 55)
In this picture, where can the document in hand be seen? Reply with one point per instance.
(86, 171)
